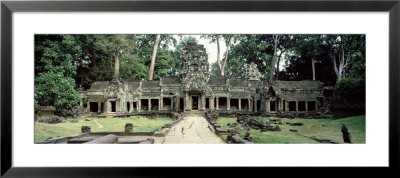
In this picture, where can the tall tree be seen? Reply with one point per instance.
(55, 70)
(228, 41)
(153, 58)
(273, 63)
(115, 44)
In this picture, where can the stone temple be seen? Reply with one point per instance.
(195, 90)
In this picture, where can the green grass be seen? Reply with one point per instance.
(66, 128)
(331, 130)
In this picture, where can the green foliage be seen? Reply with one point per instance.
(351, 88)
(55, 71)
(56, 90)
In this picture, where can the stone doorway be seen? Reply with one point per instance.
(195, 103)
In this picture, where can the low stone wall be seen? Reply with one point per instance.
(62, 139)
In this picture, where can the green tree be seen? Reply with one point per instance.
(55, 70)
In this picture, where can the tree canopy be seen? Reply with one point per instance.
(64, 63)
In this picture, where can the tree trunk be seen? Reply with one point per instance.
(277, 66)
(313, 69)
(218, 54)
(273, 62)
(226, 55)
(153, 58)
(116, 63)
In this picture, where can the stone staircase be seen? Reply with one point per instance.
(194, 113)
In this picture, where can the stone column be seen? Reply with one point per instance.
(203, 101)
(177, 103)
(162, 104)
(149, 104)
(286, 105)
(267, 103)
(187, 100)
(217, 103)
(240, 104)
(250, 107)
(99, 107)
(139, 105)
(316, 105)
(131, 106)
(297, 106)
(211, 103)
(228, 104)
(306, 105)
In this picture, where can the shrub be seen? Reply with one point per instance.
(353, 89)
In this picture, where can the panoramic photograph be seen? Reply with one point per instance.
(199, 89)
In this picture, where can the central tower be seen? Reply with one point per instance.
(194, 76)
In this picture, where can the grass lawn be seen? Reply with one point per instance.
(66, 128)
(331, 130)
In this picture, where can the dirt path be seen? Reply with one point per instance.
(192, 129)
(100, 126)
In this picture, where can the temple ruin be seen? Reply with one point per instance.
(196, 90)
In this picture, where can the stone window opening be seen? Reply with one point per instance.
(113, 106)
(302, 106)
(128, 106)
(145, 104)
(102, 107)
(272, 105)
(154, 104)
(134, 106)
(181, 104)
(94, 107)
(258, 105)
(243, 104)
(222, 103)
(167, 104)
(292, 105)
(311, 105)
(207, 103)
(234, 104)
(284, 105)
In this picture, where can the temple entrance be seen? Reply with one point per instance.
(195, 103)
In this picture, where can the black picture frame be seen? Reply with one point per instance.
(8, 7)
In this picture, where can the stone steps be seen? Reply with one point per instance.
(194, 113)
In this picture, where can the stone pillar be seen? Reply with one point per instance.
(267, 103)
(211, 103)
(286, 105)
(177, 103)
(131, 106)
(306, 105)
(139, 105)
(162, 103)
(149, 104)
(203, 101)
(85, 129)
(240, 104)
(297, 106)
(217, 103)
(99, 107)
(316, 105)
(280, 105)
(187, 100)
(88, 107)
(250, 107)
(228, 104)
